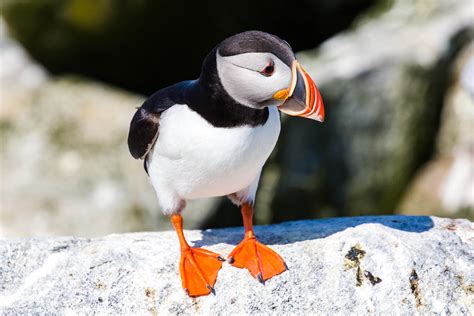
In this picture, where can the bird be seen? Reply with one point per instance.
(211, 137)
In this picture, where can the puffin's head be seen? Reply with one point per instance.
(258, 69)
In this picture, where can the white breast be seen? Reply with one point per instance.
(192, 159)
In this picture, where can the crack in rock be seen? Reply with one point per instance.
(415, 288)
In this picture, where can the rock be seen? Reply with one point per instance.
(445, 185)
(360, 265)
(66, 161)
(63, 155)
(18, 73)
(383, 84)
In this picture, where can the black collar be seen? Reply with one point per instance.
(208, 98)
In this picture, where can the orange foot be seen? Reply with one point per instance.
(198, 268)
(262, 262)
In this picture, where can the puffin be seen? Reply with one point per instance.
(211, 137)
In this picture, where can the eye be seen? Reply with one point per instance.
(268, 70)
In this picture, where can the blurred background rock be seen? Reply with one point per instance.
(397, 79)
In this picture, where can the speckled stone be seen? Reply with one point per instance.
(358, 265)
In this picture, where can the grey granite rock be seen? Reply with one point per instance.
(383, 84)
(445, 185)
(360, 265)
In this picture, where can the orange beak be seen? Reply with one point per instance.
(302, 97)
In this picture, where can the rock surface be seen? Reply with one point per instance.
(445, 185)
(340, 266)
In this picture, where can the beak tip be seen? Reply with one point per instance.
(321, 111)
(302, 97)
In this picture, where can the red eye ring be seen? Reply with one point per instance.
(269, 69)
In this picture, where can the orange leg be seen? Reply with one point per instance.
(198, 267)
(262, 262)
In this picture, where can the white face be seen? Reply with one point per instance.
(246, 81)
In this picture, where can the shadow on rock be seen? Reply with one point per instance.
(290, 232)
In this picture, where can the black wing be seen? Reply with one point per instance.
(145, 123)
(143, 132)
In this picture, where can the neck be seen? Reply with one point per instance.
(209, 99)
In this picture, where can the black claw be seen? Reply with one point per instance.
(220, 259)
(260, 278)
(210, 288)
(231, 260)
(286, 267)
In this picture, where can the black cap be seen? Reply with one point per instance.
(257, 42)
